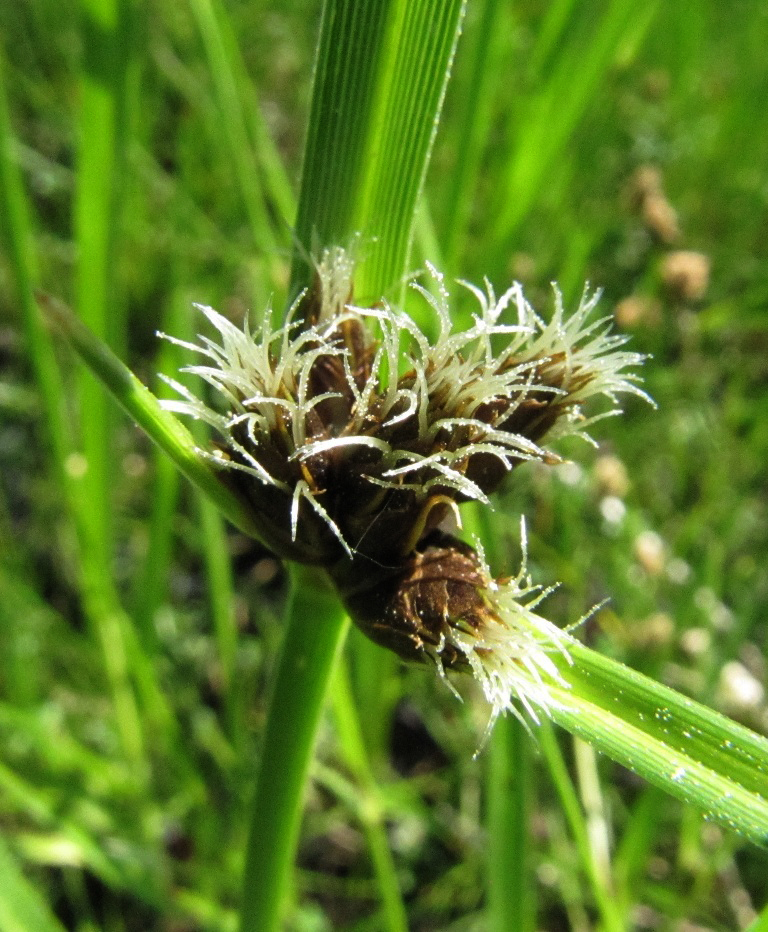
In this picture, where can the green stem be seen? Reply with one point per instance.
(22, 904)
(221, 52)
(103, 128)
(474, 125)
(509, 869)
(315, 631)
(218, 568)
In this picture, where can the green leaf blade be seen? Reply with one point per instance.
(22, 906)
(381, 74)
(692, 752)
(160, 425)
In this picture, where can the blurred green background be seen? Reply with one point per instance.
(618, 143)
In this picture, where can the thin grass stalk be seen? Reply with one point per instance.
(208, 16)
(102, 131)
(19, 239)
(22, 904)
(125, 661)
(152, 580)
(110, 867)
(542, 133)
(569, 800)
(306, 663)
(238, 95)
(369, 808)
(104, 119)
(218, 569)
(595, 810)
(35, 804)
(551, 34)
(109, 628)
(374, 675)
(635, 846)
(474, 125)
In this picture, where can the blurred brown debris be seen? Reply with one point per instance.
(646, 190)
(685, 275)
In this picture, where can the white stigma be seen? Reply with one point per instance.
(451, 404)
(511, 654)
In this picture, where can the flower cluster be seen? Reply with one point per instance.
(353, 432)
(443, 606)
(353, 437)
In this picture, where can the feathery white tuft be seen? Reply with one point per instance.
(510, 654)
(451, 404)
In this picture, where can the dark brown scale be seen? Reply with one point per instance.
(361, 350)
(311, 304)
(410, 611)
(329, 374)
(384, 524)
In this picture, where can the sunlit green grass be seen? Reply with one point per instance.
(134, 666)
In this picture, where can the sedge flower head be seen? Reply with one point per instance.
(444, 607)
(351, 434)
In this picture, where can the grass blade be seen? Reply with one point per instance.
(223, 61)
(381, 74)
(22, 907)
(104, 120)
(552, 113)
(160, 425)
(688, 750)
(611, 919)
(473, 123)
(369, 806)
(15, 214)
